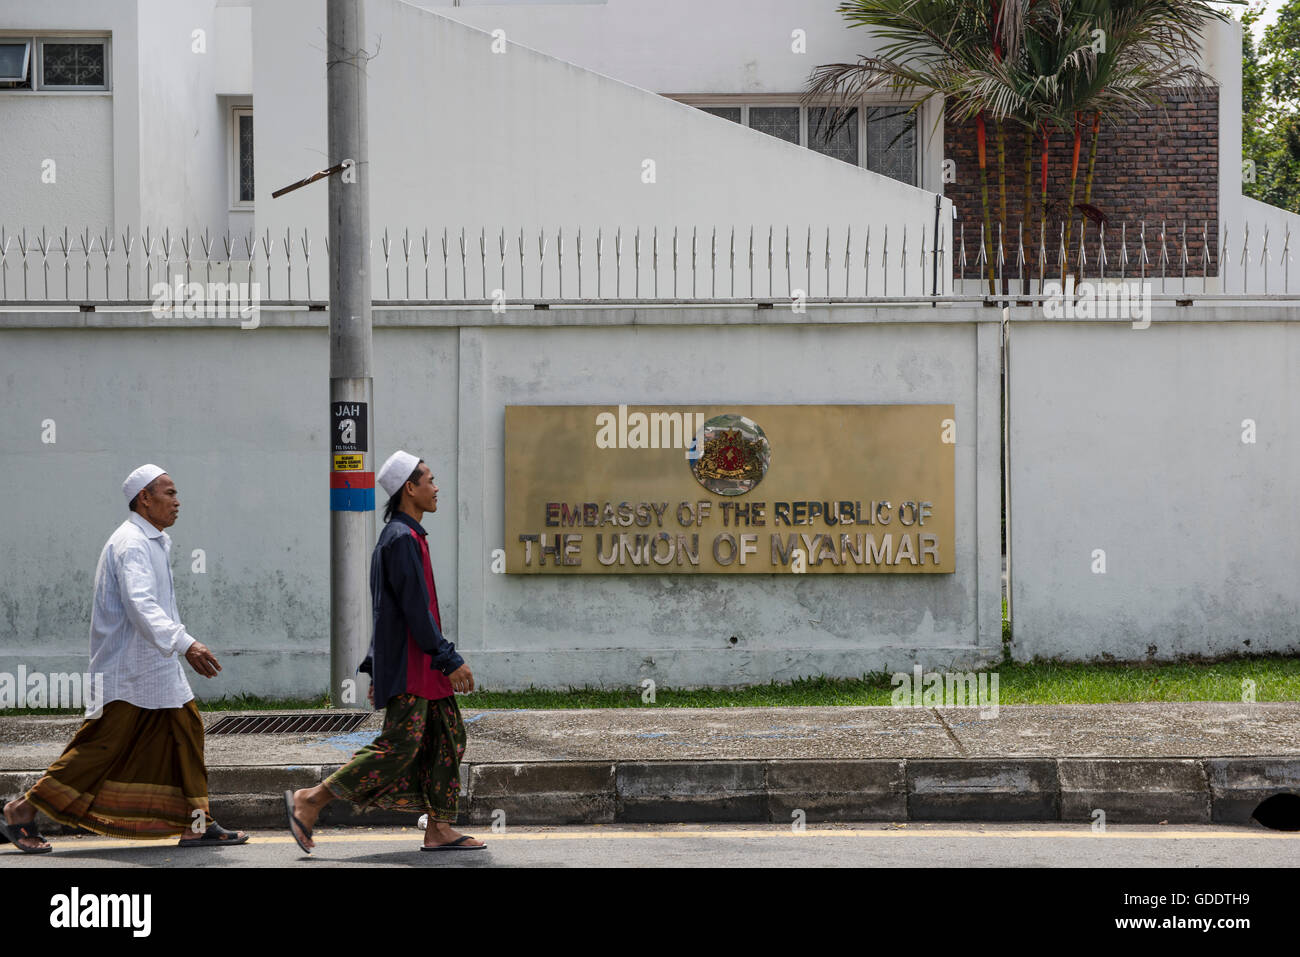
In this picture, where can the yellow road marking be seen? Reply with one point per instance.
(325, 839)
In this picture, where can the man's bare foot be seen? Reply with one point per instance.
(21, 812)
(307, 805)
(440, 832)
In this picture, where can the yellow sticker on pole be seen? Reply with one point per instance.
(347, 463)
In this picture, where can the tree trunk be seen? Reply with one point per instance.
(1002, 190)
(981, 138)
(1074, 181)
(1042, 233)
(1026, 209)
(1092, 160)
(1092, 157)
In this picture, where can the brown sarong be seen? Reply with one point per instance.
(131, 773)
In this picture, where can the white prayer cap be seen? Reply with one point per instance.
(396, 470)
(139, 479)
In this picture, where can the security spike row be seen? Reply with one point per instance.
(1246, 258)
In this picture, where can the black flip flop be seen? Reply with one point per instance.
(288, 811)
(214, 836)
(456, 845)
(28, 830)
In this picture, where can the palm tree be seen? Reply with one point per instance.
(930, 46)
(1140, 50)
(1036, 63)
(1031, 87)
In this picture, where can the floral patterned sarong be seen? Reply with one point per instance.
(414, 764)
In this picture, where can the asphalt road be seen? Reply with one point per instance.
(719, 845)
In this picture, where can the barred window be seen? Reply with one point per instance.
(891, 142)
(74, 64)
(842, 143)
(726, 112)
(880, 138)
(779, 121)
(241, 156)
(246, 157)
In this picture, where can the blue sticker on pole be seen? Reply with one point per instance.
(352, 491)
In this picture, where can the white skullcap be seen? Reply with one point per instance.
(396, 470)
(139, 479)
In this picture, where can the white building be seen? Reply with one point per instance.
(487, 117)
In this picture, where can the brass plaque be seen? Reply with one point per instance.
(764, 489)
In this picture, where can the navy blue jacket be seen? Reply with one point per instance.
(406, 633)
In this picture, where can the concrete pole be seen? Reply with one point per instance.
(352, 496)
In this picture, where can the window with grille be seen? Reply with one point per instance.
(74, 64)
(880, 138)
(834, 136)
(732, 113)
(779, 121)
(54, 63)
(241, 156)
(891, 142)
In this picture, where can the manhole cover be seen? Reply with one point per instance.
(288, 723)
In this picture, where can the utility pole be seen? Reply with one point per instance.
(352, 463)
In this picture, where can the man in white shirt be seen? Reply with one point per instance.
(135, 768)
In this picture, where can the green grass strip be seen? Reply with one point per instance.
(1042, 683)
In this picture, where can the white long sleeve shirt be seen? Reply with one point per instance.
(137, 641)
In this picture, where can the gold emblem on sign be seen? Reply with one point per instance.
(733, 455)
(730, 455)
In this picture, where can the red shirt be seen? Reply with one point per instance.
(421, 677)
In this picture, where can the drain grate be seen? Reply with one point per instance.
(288, 723)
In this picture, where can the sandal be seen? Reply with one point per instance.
(456, 845)
(215, 835)
(292, 820)
(16, 832)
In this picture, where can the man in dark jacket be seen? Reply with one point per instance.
(414, 764)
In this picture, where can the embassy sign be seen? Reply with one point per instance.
(761, 489)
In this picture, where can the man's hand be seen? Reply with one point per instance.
(462, 679)
(202, 660)
(370, 694)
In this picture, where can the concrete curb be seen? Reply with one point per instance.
(1127, 790)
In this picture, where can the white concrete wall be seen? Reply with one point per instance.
(463, 137)
(183, 131)
(1236, 210)
(75, 131)
(1201, 531)
(1283, 273)
(1130, 441)
(237, 417)
(679, 46)
(232, 49)
(561, 632)
(289, 120)
(1222, 60)
(92, 136)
